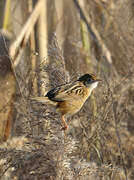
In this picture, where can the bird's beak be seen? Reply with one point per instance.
(98, 80)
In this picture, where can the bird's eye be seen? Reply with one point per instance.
(89, 80)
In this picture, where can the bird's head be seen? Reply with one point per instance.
(89, 80)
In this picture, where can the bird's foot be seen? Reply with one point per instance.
(64, 128)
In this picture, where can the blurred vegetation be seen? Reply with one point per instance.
(47, 43)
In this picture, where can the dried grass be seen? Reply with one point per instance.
(98, 145)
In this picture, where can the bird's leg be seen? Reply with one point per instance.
(64, 122)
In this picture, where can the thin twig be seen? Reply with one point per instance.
(23, 37)
(114, 107)
(93, 31)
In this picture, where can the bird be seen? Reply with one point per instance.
(70, 97)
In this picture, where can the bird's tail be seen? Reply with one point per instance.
(44, 100)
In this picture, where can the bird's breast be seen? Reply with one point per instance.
(73, 105)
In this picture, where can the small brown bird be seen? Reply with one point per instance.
(69, 98)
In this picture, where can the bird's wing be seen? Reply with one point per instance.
(65, 92)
